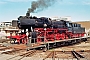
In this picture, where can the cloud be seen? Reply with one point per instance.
(86, 2)
(74, 2)
(19, 0)
(1, 2)
(64, 2)
(8, 1)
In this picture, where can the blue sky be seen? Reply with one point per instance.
(79, 10)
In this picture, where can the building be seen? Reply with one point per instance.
(66, 18)
(6, 28)
(14, 23)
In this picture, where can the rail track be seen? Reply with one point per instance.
(4, 48)
(13, 51)
(52, 54)
(77, 55)
(4, 40)
(29, 53)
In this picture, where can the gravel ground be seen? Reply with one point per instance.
(60, 55)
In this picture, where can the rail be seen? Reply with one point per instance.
(30, 53)
(77, 55)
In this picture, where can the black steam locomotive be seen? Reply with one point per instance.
(50, 29)
(43, 22)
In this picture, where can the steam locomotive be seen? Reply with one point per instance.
(45, 29)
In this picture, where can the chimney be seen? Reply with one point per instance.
(27, 14)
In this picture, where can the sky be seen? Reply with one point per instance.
(79, 10)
